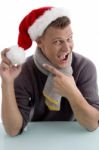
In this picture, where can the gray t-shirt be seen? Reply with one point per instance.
(30, 83)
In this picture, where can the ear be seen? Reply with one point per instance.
(39, 42)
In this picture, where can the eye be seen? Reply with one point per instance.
(69, 39)
(58, 42)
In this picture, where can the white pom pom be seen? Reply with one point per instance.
(16, 55)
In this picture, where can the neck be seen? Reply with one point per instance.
(40, 59)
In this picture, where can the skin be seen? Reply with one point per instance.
(54, 43)
(11, 116)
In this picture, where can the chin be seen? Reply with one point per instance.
(61, 66)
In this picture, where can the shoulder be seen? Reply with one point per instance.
(82, 63)
(29, 66)
(29, 62)
(80, 59)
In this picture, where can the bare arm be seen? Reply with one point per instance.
(87, 115)
(11, 116)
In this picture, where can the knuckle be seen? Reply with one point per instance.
(4, 64)
(6, 60)
(52, 69)
(3, 52)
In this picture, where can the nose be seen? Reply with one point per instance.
(66, 46)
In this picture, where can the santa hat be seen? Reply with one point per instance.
(33, 25)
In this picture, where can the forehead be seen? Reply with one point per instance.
(57, 32)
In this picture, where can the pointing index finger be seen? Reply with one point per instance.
(52, 69)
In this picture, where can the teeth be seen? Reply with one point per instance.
(62, 56)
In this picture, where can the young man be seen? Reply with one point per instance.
(55, 84)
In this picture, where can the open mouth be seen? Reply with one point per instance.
(63, 57)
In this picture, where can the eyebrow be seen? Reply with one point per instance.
(57, 38)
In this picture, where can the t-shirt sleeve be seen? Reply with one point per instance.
(88, 84)
(23, 95)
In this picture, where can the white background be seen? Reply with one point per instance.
(85, 24)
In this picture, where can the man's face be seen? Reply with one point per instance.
(57, 44)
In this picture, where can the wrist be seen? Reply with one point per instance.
(7, 83)
(74, 95)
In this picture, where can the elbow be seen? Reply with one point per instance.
(13, 129)
(90, 125)
(93, 128)
(13, 132)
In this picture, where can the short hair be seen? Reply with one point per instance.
(60, 22)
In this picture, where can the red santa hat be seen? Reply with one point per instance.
(32, 26)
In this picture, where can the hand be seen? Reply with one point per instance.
(8, 72)
(63, 85)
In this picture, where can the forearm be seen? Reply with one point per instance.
(86, 115)
(11, 115)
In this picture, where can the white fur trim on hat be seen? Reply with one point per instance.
(16, 55)
(37, 29)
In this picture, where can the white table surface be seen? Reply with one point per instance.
(51, 136)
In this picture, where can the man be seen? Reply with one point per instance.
(56, 84)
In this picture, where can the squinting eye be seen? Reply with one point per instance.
(58, 42)
(69, 39)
